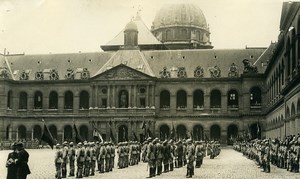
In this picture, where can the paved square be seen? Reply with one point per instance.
(229, 164)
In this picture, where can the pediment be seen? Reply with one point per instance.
(122, 72)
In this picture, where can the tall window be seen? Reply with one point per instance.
(198, 99)
(53, 100)
(233, 99)
(68, 100)
(38, 100)
(164, 99)
(84, 100)
(23, 100)
(9, 100)
(255, 96)
(181, 99)
(215, 99)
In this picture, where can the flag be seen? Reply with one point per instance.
(173, 132)
(97, 136)
(144, 125)
(257, 128)
(112, 138)
(135, 138)
(96, 133)
(47, 137)
(76, 134)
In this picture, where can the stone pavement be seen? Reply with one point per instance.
(228, 165)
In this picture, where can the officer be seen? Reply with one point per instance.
(112, 155)
(107, 157)
(151, 151)
(171, 145)
(58, 161)
(120, 152)
(87, 162)
(93, 158)
(159, 157)
(65, 151)
(166, 155)
(72, 154)
(101, 157)
(80, 159)
(190, 157)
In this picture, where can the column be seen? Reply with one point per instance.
(114, 95)
(153, 96)
(30, 102)
(96, 96)
(147, 96)
(76, 102)
(108, 95)
(173, 103)
(134, 96)
(207, 102)
(223, 102)
(129, 96)
(60, 102)
(189, 105)
(46, 101)
(93, 96)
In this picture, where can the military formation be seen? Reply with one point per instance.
(283, 153)
(162, 156)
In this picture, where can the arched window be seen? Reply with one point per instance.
(9, 100)
(164, 132)
(215, 132)
(53, 131)
(198, 99)
(287, 113)
(84, 100)
(38, 100)
(37, 132)
(181, 99)
(293, 109)
(255, 96)
(21, 132)
(53, 100)
(68, 100)
(164, 99)
(23, 100)
(233, 99)
(215, 99)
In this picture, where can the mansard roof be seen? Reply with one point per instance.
(150, 63)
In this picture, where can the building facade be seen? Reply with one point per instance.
(147, 81)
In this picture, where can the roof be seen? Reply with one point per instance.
(147, 62)
(145, 37)
(179, 15)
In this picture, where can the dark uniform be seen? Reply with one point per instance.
(23, 168)
(199, 154)
(107, 157)
(159, 157)
(65, 151)
(101, 157)
(166, 155)
(80, 158)
(58, 162)
(93, 158)
(11, 166)
(151, 151)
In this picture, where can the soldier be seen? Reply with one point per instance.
(151, 151)
(97, 155)
(297, 153)
(166, 155)
(72, 154)
(112, 156)
(101, 157)
(159, 156)
(80, 158)
(93, 158)
(199, 154)
(172, 154)
(65, 159)
(190, 156)
(126, 154)
(180, 153)
(58, 161)
(87, 162)
(120, 152)
(107, 157)
(184, 161)
(12, 168)
(144, 151)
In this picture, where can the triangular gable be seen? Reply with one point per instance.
(122, 72)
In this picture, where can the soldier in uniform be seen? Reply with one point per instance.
(180, 153)
(87, 162)
(126, 154)
(144, 151)
(23, 168)
(151, 151)
(190, 157)
(93, 158)
(172, 154)
(80, 158)
(166, 155)
(120, 152)
(58, 161)
(101, 157)
(97, 155)
(107, 157)
(184, 161)
(72, 154)
(159, 157)
(199, 153)
(65, 151)
(112, 155)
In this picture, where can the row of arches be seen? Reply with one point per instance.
(215, 98)
(178, 132)
(292, 110)
(38, 101)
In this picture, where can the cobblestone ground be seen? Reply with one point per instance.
(229, 164)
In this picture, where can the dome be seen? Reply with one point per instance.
(179, 15)
(131, 26)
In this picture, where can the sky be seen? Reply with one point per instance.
(70, 26)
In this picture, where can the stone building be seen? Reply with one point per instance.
(165, 81)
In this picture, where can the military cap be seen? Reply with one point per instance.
(189, 141)
(71, 144)
(20, 144)
(149, 139)
(65, 143)
(79, 143)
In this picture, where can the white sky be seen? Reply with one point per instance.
(68, 26)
